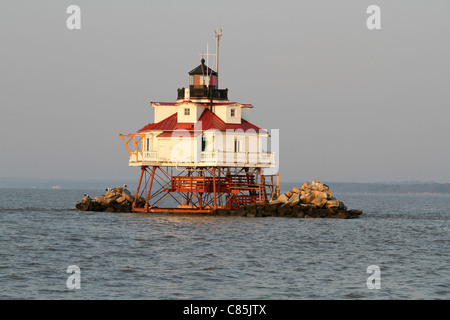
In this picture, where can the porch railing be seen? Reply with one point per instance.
(134, 145)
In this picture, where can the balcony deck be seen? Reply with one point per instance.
(207, 159)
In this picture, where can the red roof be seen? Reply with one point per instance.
(167, 124)
(169, 134)
(209, 121)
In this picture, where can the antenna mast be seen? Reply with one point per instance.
(218, 35)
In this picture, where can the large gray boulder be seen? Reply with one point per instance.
(114, 200)
(283, 198)
(312, 200)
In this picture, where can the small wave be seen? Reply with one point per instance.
(211, 268)
(74, 239)
(354, 296)
(127, 270)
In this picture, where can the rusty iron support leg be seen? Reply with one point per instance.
(214, 187)
(188, 199)
(200, 194)
(136, 196)
(220, 184)
(146, 209)
(263, 187)
(278, 185)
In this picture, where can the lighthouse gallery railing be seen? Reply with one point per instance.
(133, 143)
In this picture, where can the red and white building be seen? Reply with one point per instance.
(215, 151)
(197, 130)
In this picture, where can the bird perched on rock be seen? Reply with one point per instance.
(86, 197)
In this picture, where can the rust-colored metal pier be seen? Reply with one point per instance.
(202, 189)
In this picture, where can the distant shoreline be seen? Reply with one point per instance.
(391, 188)
(424, 188)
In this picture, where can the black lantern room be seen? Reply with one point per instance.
(203, 82)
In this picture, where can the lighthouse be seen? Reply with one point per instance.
(201, 153)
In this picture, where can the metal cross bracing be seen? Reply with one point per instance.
(202, 189)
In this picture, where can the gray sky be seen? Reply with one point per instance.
(351, 104)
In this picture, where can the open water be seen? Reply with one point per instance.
(170, 256)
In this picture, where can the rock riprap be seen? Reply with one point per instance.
(114, 200)
(311, 200)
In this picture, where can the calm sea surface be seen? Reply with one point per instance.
(168, 256)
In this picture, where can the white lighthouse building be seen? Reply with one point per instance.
(211, 138)
(202, 128)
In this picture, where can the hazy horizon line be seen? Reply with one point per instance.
(81, 180)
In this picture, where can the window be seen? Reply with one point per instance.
(233, 112)
(237, 145)
(204, 80)
(203, 142)
(213, 81)
(149, 144)
(187, 111)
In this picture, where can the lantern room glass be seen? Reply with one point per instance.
(200, 81)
